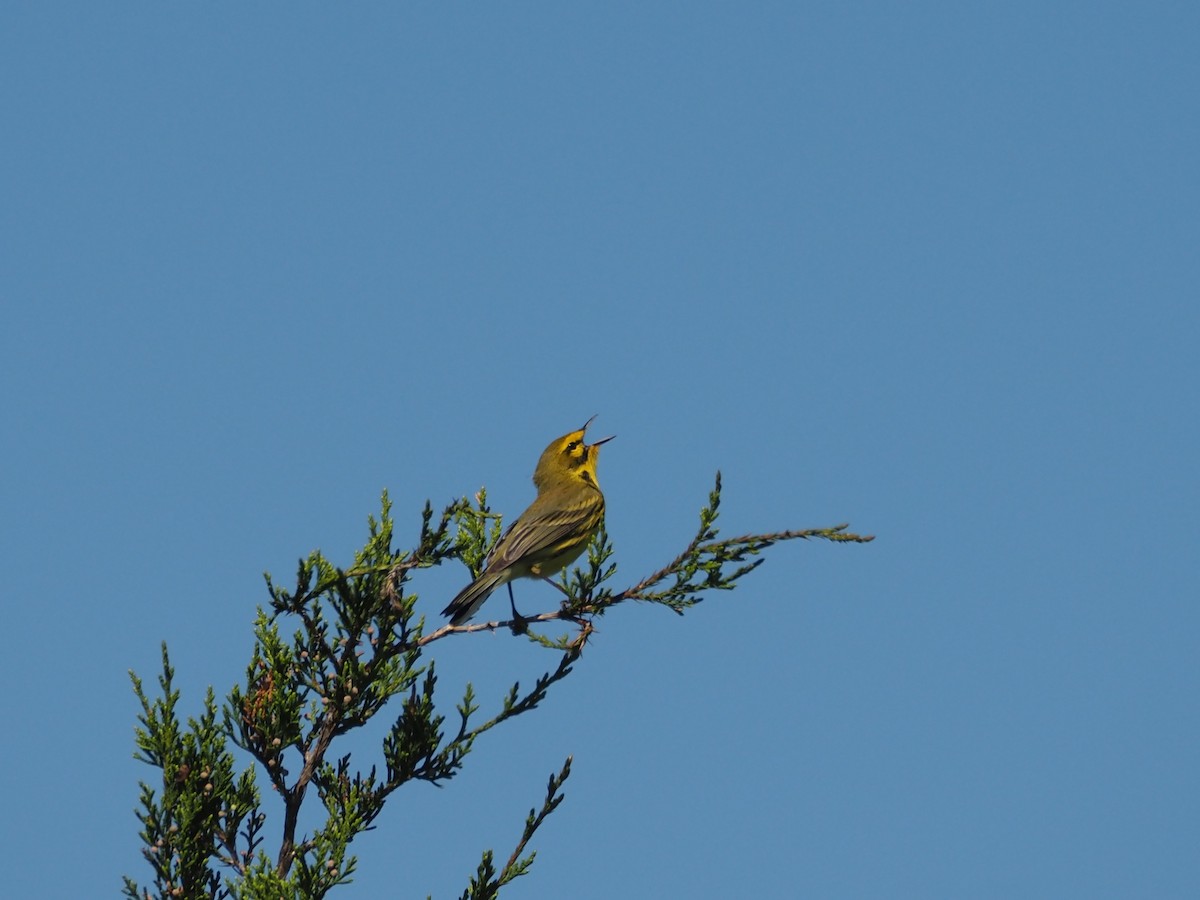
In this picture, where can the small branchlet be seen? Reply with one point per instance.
(486, 882)
(195, 819)
(708, 564)
(516, 865)
(478, 529)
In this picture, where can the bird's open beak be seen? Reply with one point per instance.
(602, 440)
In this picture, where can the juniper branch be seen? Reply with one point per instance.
(359, 644)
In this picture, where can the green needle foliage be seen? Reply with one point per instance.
(330, 654)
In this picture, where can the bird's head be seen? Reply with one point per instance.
(569, 458)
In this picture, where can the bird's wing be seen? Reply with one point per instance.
(537, 531)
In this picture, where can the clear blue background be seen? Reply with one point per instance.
(929, 268)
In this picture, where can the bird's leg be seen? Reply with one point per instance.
(520, 624)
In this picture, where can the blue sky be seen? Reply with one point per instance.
(928, 268)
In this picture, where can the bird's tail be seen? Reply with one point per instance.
(470, 598)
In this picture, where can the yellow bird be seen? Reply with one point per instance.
(552, 532)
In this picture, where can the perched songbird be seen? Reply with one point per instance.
(551, 534)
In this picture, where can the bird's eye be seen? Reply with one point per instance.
(572, 446)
